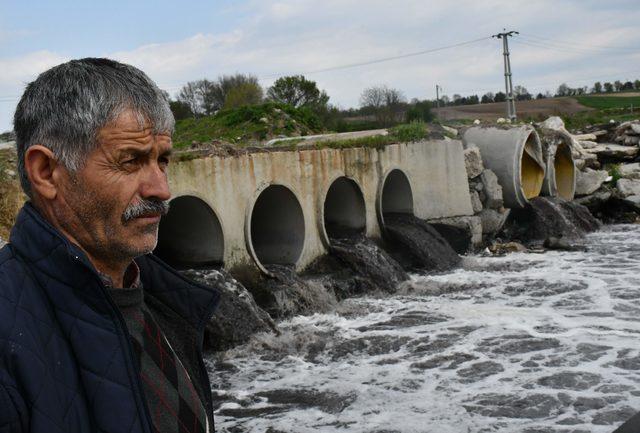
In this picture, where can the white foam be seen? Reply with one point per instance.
(545, 297)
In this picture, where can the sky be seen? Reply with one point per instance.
(572, 41)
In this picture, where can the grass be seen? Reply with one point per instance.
(413, 131)
(11, 196)
(246, 125)
(609, 102)
(580, 120)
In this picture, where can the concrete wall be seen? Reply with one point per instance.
(231, 185)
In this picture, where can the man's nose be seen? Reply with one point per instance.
(155, 183)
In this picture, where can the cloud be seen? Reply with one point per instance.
(299, 36)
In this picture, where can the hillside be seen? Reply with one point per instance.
(248, 125)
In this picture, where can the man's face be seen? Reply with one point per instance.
(128, 168)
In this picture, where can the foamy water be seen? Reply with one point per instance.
(526, 342)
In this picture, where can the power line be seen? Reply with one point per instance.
(384, 59)
(576, 44)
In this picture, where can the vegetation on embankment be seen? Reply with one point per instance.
(11, 196)
(247, 125)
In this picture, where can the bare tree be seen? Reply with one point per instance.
(386, 103)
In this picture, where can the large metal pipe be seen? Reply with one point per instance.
(515, 156)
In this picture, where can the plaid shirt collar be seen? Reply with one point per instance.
(131, 279)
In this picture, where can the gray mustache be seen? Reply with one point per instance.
(145, 207)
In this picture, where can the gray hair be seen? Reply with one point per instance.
(67, 105)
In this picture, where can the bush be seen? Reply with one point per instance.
(413, 131)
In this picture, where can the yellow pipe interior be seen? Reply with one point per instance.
(565, 172)
(531, 172)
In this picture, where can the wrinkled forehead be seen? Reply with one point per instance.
(129, 120)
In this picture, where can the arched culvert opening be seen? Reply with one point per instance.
(190, 235)
(396, 196)
(277, 227)
(344, 210)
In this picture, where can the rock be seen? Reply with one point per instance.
(589, 181)
(585, 137)
(473, 162)
(591, 161)
(631, 140)
(595, 200)
(237, 317)
(420, 245)
(635, 127)
(493, 220)
(492, 190)
(476, 204)
(633, 201)
(476, 122)
(588, 144)
(471, 225)
(613, 151)
(509, 247)
(501, 120)
(627, 187)
(2, 243)
(450, 130)
(546, 217)
(630, 171)
(554, 123)
(579, 163)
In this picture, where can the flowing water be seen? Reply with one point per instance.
(521, 343)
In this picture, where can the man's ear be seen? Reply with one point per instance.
(41, 166)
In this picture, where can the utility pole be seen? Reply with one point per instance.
(508, 83)
(437, 97)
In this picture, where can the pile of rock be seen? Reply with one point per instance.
(486, 193)
(628, 133)
(608, 178)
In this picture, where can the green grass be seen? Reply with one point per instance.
(580, 120)
(413, 131)
(246, 125)
(609, 102)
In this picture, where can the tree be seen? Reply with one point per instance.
(597, 87)
(386, 103)
(226, 83)
(181, 110)
(205, 97)
(419, 110)
(521, 93)
(617, 85)
(540, 96)
(500, 97)
(608, 87)
(487, 98)
(627, 86)
(563, 90)
(297, 91)
(243, 94)
(636, 84)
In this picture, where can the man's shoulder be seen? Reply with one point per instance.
(12, 274)
(18, 290)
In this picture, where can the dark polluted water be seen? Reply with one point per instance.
(521, 343)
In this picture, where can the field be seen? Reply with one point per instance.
(537, 109)
(605, 102)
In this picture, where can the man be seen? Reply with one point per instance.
(96, 334)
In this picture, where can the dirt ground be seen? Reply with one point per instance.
(536, 109)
